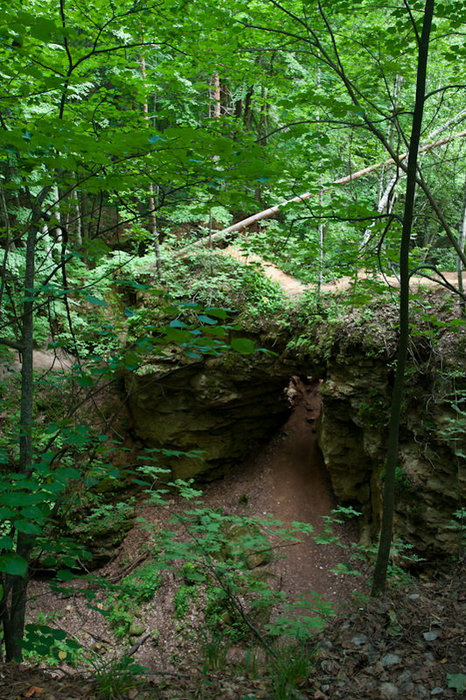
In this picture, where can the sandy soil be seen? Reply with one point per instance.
(294, 288)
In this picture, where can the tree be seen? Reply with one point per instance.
(79, 139)
(89, 138)
(383, 556)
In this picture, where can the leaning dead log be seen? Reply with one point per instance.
(271, 211)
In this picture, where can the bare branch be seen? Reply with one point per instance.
(397, 160)
(15, 345)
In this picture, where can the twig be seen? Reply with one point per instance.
(137, 644)
(117, 577)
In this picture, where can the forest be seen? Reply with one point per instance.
(232, 349)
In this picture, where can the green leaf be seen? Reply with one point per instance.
(84, 380)
(22, 499)
(65, 575)
(177, 335)
(6, 513)
(13, 564)
(27, 527)
(95, 300)
(66, 474)
(217, 312)
(243, 345)
(207, 320)
(6, 542)
(31, 512)
(457, 681)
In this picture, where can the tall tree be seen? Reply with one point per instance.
(380, 571)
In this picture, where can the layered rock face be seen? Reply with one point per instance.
(225, 406)
(355, 404)
(222, 407)
(431, 475)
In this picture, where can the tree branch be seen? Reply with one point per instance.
(396, 160)
(14, 344)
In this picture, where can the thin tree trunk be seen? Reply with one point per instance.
(215, 97)
(9, 243)
(460, 266)
(16, 585)
(153, 216)
(77, 213)
(385, 205)
(383, 555)
(57, 213)
(13, 604)
(320, 277)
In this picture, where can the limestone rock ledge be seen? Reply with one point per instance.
(431, 475)
(222, 407)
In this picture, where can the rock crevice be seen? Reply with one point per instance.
(225, 406)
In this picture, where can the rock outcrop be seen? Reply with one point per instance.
(431, 475)
(221, 407)
(224, 406)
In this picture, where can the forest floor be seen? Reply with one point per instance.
(408, 644)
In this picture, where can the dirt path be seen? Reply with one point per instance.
(291, 286)
(288, 480)
(294, 288)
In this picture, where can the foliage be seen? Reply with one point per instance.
(291, 670)
(116, 677)
(43, 642)
(457, 681)
(124, 600)
(459, 525)
(114, 156)
(302, 619)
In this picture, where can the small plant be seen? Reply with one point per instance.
(402, 480)
(46, 644)
(116, 676)
(459, 524)
(214, 651)
(221, 616)
(290, 670)
(184, 596)
(302, 619)
(106, 518)
(401, 557)
(251, 663)
(126, 597)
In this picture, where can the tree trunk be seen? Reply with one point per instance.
(215, 97)
(13, 619)
(384, 205)
(78, 222)
(460, 266)
(383, 555)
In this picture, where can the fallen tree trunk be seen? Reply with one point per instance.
(267, 213)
